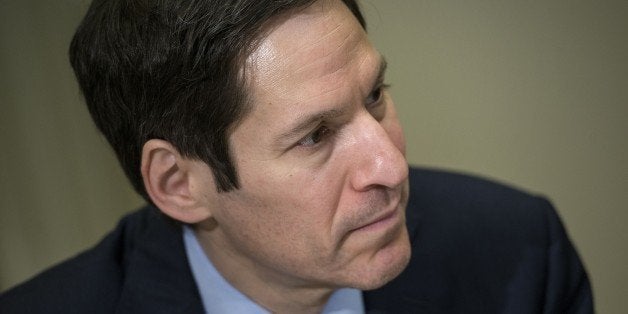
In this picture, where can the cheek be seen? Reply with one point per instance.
(314, 196)
(292, 206)
(309, 204)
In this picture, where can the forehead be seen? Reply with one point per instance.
(319, 56)
(309, 44)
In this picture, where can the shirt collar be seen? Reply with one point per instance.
(219, 296)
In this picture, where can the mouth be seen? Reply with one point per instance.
(383, 221)
(384, 224)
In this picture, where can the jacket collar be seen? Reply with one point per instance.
(157, 276)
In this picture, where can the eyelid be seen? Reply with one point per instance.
(309, 137)
(381, 88)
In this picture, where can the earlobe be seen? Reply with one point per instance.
(168, 179)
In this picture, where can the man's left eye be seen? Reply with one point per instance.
(315, 137)
(374, 103)
(374, 96)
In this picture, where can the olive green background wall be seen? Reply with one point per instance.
(531, 93)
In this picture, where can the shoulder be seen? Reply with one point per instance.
(89, 282)
(474, 205)
(454, 214)
(479, 246)
(457, 188)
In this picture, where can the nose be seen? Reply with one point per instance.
(379, 159)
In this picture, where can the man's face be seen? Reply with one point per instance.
(321, 163)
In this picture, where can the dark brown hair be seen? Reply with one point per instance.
(171, 70)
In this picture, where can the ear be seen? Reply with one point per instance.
(169, 179)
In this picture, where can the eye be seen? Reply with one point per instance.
(315, 137)
(375, 96)
(374, 103)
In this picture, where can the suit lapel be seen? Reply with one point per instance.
(158, 278)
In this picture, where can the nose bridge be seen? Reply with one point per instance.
(380, 161)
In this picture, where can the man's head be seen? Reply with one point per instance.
(172, 70)
(318, 149)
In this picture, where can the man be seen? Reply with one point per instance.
(265, 135)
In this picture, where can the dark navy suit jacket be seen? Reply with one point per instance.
(477, 247)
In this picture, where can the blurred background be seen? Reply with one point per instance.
(534, 94)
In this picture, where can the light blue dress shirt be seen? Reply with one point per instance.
(219, 296)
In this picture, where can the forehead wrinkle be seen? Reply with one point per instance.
(308, 46)
(270, 55)
(320, 70)
(304, 100)
(267, 59)
(316, 22)
(315, 43)
(372, 67)
(327, 56)
(337, 62)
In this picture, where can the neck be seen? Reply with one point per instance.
(264, 286)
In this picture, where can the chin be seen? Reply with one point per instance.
(385, 265)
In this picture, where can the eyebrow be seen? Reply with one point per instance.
(306, 122)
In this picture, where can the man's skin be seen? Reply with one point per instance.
(322, 168)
